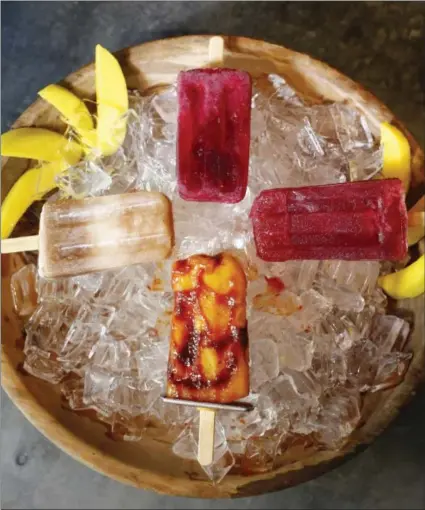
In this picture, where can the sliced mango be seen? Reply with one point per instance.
(73, 110)
(112, 102)
(416, 226)
(407, 283)
(210, 363)
(217, 315)
(238, 385)
(186, 273)
(396, 154)
(179, 332)
(184, 281)
(31, 186)
(227, 276)
(416, 222)
(41, 144)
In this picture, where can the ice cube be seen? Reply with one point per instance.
(73, 390)
(98, 387)
(295, 349)
(391, 370)
(23, 288)
(264, 361)
(86, 179)
(313, 306)
(341, 296)
(41, 364)
(127, 427)
(352, 128)
(165, 104)
(339, 416)
(260, 454)
(389, 332)
(358, 276)
(186, 447)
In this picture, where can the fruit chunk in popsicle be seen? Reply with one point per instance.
(351, 221)
(82, 236)
(208, 359)
(213, 134)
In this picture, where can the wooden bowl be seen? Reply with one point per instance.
(150, 463)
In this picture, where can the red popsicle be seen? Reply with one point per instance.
(364, 220)
(213, 134)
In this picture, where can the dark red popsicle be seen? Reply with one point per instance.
(365, 220)
(213, 134)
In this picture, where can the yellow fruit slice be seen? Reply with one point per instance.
(407, 283)
(416, 222)
(227, 276)
(179, 332)
(217, 315)
(41, 144)
(185, 281)
(31, 186)
(396, 154)
(210, 363)
(416, 227)
(71, 107)
(112, 102)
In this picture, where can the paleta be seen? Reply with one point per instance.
(208, 359)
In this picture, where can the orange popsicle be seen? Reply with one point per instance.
(208, 359)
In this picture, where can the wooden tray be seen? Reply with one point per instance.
(150, 463)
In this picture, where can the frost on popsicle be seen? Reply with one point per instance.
(319, 336)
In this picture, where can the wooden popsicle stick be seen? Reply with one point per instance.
(216, 52)
(18, 244)
(206, 436)
(207, 416)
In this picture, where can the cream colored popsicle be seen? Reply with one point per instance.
(94, 234)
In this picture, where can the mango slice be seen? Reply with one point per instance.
(217, 315)
(239, 382)
(73, 110)
(31, 186)
(179, 333)
(186, 278)
(227, 276)
(416, 222)
(396, 154)
(210, 363)
(112, 102)
(185, 281)
(407, 283)
(41, 144)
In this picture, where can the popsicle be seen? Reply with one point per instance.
(94, 234)
(364, 220)
(213, 134)
(209, 343)
(208, 360)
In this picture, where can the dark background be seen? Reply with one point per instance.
(380, 45)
